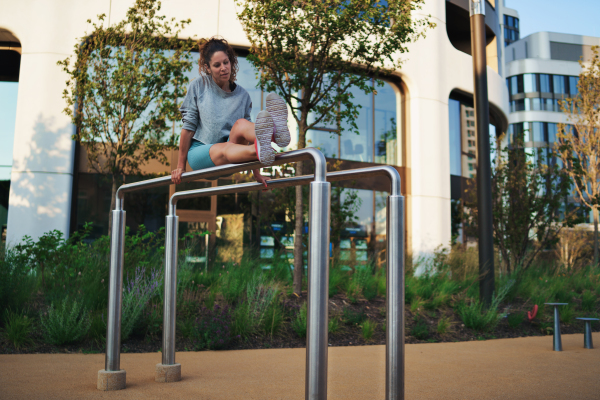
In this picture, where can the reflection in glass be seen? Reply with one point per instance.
(559, 84)
(529, 83)
(455, 138)
(545, 83)
(359, 147)
(573, 81)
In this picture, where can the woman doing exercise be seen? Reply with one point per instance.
(217, 128)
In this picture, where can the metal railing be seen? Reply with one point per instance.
(318, 274)
(318, 270)
(117, 249)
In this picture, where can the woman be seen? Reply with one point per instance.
(217, 128)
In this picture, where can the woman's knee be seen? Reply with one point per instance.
(240, 131)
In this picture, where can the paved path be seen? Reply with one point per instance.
(524, 368)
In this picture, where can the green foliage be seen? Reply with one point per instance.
(567, 314)
(333, 325)
(273, 319)
(97, 330)
(336, 279)
(16, 284)
(528, 195)
(420, 330)
(185, 327)
(515, 319)
(124, 86)
(443, 325)
(299, 323)
(588, 301)
(17, 328)
(368, 328)
(476, 317)
(213, 329)
(139, 290)
(352, 317)
(68, 323)
(361, 283)
(416, 305)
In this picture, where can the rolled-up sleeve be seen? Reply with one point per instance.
(189, 109)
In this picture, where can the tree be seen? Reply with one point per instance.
(528, 191)
(124, 86)
(578, 143)
(312, 52)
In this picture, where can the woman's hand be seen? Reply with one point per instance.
(260, 179)
(176, 175)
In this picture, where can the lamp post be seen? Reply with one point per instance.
(484, 170)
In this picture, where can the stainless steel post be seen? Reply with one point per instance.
(557, 342)
(171, 235)
(587, 336)
(115, 291)
(318, 291)
(394, 352)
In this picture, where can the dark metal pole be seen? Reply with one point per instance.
(484, 170)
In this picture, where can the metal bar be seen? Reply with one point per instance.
(228, 169)
(556, 342)
(587, 336)
(319, 216)
(318, 291)
(484, 169)
(115, 292)
(394, 351)
(171, 237)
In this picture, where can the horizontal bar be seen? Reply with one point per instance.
(294, 181)
(308, 153)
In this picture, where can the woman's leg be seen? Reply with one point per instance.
(236, 150)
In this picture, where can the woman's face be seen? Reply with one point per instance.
(220, 67)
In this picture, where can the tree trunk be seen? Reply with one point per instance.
(595, 214)
(299, 229)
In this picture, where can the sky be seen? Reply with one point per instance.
(579, 17)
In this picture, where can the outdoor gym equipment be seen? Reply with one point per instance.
(318, 276)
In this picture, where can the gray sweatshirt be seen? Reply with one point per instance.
(210, 112)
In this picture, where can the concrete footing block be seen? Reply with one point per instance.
(111, 380)
(168, 373)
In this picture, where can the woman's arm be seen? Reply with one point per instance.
(185, 140)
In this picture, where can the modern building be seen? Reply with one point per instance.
(407, 124)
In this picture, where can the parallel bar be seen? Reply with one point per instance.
(171, 237)
(556, 342)
(228, 169)
(115, 292)
(318, 291)
(394, 351)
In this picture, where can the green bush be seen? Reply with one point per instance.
(16, 282)
(352, 317)
(567, 314)
(97, 330)
(588, 301)
(336, 279)
(273, 319)
(420, 331)
(334, 325)
(69, 323)
(17, 328)
(138, 292)
(185, 327)
(212, 329)
(299, 323)
(515, 319)
(368, 328)
(474, 316)
(443, 325)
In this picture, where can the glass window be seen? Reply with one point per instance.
(536, 132)
(536, 104)
(385, 125)
(559, 84)
(573, 81)
(513, 86)
(530, 83)
(248, 79)
(358, 147)
(545, 83)
(520, 105)
(552, 132)
(325, 141)
(516, 22)
(455, 148)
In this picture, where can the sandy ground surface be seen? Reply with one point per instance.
(524, 368)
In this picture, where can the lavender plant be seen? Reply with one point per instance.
(67, 323)
(137, 293)
(212, 330)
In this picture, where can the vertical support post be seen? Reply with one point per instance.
(171, 235)
(556, 342)
(318, 291)
(115, 292)
(394, 350)
(484, 168)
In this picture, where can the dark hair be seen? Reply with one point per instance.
(208, 47)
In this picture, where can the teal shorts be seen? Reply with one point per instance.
(199, 155)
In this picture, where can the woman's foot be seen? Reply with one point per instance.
(263, 129)
(278, 109)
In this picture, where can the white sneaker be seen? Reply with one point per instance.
(278, 109)
(263, 129)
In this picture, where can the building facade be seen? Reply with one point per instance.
(405, 125)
